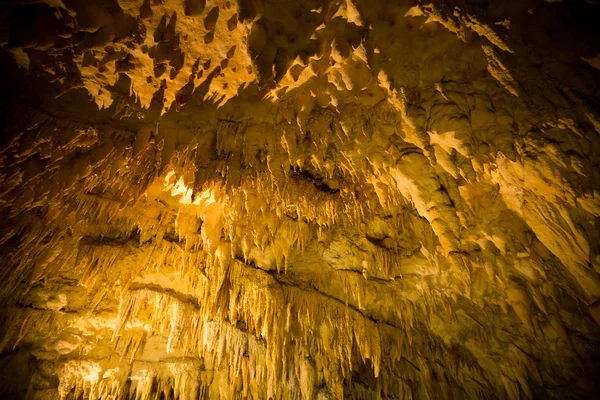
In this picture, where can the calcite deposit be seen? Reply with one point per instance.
(299, 199)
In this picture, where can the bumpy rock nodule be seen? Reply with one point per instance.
(275, 199)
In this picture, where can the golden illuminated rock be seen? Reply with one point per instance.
(299, 199)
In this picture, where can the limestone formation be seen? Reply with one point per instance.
(299, 199)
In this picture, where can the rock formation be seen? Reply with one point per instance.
(299, 199)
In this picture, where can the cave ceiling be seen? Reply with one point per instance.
(269, 199)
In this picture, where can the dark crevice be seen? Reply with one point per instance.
(313, 178)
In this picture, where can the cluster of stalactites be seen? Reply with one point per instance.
(199, 230)
(239, 320)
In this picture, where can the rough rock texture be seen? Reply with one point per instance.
(299, 199)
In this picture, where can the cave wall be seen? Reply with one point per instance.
(313, 199)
